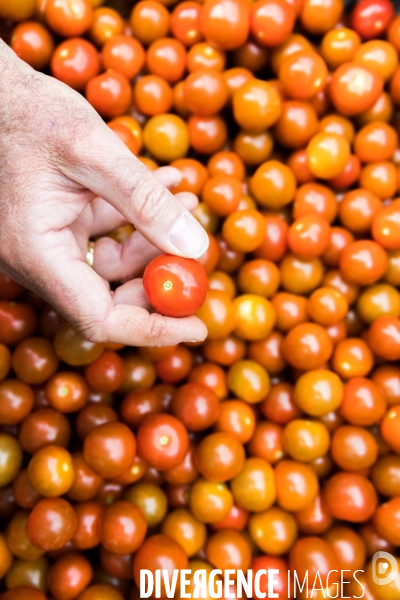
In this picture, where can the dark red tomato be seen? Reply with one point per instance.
(87, 533)
(24, 494)
(9, 289)
(196, 406)
(138, 405)
(49, 322)
(17, 322)
(51, 524)
(175, 286)
(16, 401)
(106, 373)
(116, 565)
(68, 576)
(110, 449)
(370, 18)
(34, 360)
(162, 441)
(123, 528)
(176, 366)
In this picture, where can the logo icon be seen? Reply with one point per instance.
(384, 568)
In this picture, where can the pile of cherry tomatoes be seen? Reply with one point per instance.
(276, 443)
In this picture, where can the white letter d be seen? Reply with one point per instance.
(150, 580)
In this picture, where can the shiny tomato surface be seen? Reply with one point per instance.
(175, 286)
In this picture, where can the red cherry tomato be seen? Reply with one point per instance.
(370, 18)
(175, 286)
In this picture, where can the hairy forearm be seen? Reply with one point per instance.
(14, 74)
(6, 56)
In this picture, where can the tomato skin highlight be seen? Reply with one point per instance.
(175, 286)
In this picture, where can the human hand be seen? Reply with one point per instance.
(64, 176)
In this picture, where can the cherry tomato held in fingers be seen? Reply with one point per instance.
(175, 286)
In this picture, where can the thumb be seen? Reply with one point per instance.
(110, 170)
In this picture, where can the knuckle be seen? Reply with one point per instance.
(156, 330)
(94, 333)
(149, 202)
(94, 329)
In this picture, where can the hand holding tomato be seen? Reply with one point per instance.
(59, 156)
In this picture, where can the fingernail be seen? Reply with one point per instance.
(188, 236)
